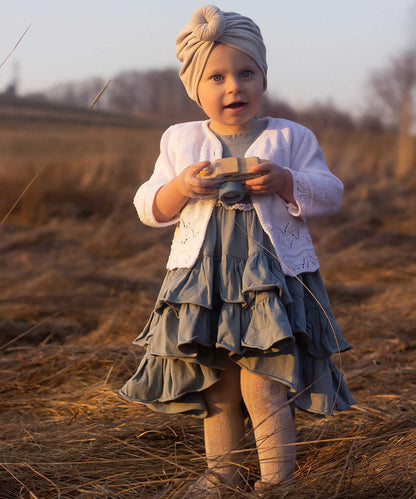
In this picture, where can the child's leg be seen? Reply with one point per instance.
(273, 425)
(224, 425)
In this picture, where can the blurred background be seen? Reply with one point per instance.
(323, 55)
(80, 274)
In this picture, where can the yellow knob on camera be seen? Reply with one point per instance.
(207, 170)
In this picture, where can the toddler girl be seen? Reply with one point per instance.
(242, 320)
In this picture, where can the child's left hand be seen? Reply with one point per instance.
(275, 179)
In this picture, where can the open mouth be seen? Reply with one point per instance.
(236, 105)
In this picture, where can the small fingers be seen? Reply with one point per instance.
(259, 182)
(262, 166)
(262, 185)
(197, 167)
(202, 188)
(269, 181)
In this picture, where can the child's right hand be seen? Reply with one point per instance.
(173, 196)
(193, 187)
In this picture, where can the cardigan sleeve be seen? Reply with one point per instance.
(317, 191)
(163, 173)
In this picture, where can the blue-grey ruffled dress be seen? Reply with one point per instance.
(236, 303)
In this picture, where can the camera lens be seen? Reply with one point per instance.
(231, 192)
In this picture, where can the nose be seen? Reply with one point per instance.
(234, 85)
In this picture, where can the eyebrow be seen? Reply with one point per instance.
(252, 66)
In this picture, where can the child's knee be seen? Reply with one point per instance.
(261, 391)
(220, 400)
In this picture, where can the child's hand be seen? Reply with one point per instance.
(173, 196)
(191, 186)
(275, 179)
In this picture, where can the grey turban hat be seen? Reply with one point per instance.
(209, 25)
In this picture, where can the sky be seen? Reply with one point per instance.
(317, 50)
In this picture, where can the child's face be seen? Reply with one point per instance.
(230, 90)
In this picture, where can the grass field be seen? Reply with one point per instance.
(79, 276)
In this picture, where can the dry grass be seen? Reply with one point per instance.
(79, 277)
(69, 435)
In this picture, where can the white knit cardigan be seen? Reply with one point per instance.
(316, 190)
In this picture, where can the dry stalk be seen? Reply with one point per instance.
(15, 47)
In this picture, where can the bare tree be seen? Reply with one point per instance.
(394, 87)
(155, 92)
(76, 93)
(325, 116)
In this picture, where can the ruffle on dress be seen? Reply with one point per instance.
(236, 303)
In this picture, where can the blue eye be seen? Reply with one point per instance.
(217, 77)
(246, 74)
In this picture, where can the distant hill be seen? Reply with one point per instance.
(14, 109)
(158, 94)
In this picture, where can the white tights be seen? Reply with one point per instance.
(272, 420)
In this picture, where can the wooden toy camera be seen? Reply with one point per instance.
(229, 173)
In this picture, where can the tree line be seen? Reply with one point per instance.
(160, 94)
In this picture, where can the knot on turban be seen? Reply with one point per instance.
(209, 25)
